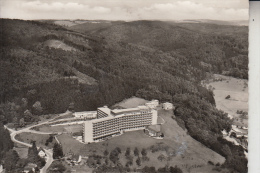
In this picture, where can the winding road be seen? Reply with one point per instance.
(49, 152)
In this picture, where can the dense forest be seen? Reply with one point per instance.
(148, 59)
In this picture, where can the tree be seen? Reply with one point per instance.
(149, 169)
(106, 153)
(114, 156)
(144, 152)
(10, 160)
(21, 163)
(98, 161)
(118, 149)
(28, 116)
(136, 151)
(138, 161)
(33, 153)
(57, 167)
(5, 141)
(106, 161)
(163, 169)
(228, 97)
(161, 157)
(127, 152)
(91, 162)
(37, 108)
(175, 170)
(226, 151)
(24, 102)
(21, 122)
(71, 106)
(57, 151)
(15, 121)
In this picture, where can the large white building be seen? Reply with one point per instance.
(114, 122)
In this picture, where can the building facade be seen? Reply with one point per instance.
(86, 114)
(152, 104)
(110, 123)
(167, 106)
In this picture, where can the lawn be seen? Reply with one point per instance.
(238, 91)
(21, 150)
(57, 44)
(29, 137)
(62, 128)
(131, 102)
(76, 168)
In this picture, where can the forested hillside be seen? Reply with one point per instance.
(108, 63)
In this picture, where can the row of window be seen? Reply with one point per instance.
(109, 129)
(116, 123)
(117, 131)
(133, 118)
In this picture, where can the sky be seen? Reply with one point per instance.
(125, 9)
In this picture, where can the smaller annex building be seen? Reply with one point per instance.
(152, 104)
(167, 106)
(154, 130)
(41, 153)
(86, 114)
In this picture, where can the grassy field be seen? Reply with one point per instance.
(39, 138)
(62, 128)
(21, 150)
(58, 45)
(177, 146)
(131, 102)
(238, 91)
(76, 168)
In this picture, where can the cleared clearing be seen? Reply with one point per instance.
(57, 44)
(28, 137)
(67, 23)
(131, 102)
(22, 151)
(83, 78)
(238, 91)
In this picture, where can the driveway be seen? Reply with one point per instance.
(49, 153)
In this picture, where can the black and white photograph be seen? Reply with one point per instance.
(140, 86)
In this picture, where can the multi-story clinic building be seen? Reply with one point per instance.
(114, 122)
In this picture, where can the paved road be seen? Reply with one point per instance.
(49, 153)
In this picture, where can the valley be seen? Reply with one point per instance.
(76, 66)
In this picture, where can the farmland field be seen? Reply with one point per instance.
(238, 91)
(58, 44)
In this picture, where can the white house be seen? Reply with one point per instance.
(167, 106)
(152, 104)
(41, 153)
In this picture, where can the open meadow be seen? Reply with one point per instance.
(131, 102)
(237, 89)
(61, 128)
(40, 139)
